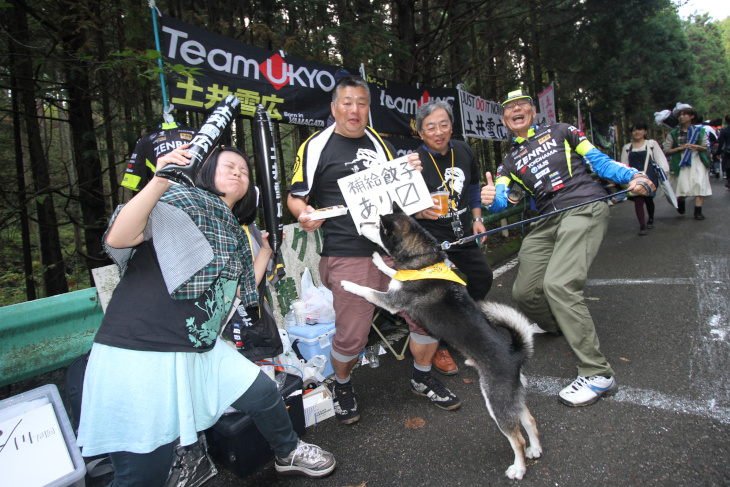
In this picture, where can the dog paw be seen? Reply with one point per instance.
(515, 472)
(348, 286)
(378, 260)
(533, 451)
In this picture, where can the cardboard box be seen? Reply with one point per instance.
(40, 443)
(318, 406)
(313, 340)
(235, 442)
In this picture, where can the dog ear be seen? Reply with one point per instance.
(397, 209)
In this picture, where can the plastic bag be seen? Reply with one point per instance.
(317, 300)
(311, 369)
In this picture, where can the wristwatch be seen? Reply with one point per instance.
(480, 219)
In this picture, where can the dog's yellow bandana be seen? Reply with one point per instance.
(436, 271)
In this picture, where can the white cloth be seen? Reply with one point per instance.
(138, 401)
(693, 180)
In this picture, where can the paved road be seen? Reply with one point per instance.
(661, 308)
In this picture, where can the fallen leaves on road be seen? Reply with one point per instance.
(468, 381)
(361, 485)
(625, 359)
(414, 423)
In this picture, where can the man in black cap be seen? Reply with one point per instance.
(555, 256)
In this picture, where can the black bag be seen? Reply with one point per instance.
(192, 465)
(254, 330)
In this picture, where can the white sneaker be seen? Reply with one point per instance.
(306, 459)
(585, 391)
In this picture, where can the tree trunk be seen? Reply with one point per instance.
(30, 293)
(86, 152)
(54, 272)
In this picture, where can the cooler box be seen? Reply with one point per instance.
(234, 441)
(313, 340)
(37, 443)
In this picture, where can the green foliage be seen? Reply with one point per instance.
(623, 60)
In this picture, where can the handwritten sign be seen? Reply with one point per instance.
(372, 192)
(32, 449)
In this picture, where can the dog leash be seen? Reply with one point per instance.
(447, 245)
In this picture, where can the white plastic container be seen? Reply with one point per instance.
(16, 407)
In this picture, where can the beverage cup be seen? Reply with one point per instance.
(440, 202)
(371, 355)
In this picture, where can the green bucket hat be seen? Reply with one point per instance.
(516, 95)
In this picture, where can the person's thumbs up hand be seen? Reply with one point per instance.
(489, 192)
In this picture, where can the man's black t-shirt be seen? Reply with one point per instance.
(456, 181)
(341, 157)
(142, 316)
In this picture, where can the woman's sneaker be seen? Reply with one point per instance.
(345, 403)
(430, 387)
(585, 391)
(306, 459)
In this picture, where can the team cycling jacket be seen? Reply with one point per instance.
(549, 165)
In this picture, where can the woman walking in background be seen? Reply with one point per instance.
(639, 154)
(689, 165)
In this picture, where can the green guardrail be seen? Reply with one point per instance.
(520, 207)
(46, 334)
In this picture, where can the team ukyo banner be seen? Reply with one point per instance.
(292, 90)
(393, 105)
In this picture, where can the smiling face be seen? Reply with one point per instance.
(518, 116)
(231, 177)
(638, 134)
(351, 111)
(436, 131)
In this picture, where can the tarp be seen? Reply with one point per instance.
(393, 105)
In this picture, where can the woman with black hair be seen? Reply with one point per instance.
(639, 154)
(689, 165)
(157, 370)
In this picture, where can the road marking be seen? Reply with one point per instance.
(682, 281)
(550, 386)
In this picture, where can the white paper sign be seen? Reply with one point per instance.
(372, 192)
(32, 449)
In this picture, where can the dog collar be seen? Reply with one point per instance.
(436, 271)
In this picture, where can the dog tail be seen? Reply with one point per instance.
(515, 322)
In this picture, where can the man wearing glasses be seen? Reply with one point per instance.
(555, 256)
(450, 166)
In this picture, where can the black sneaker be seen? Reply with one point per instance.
(642, 231)
(430, 387)
(650, 224)
(345, 403)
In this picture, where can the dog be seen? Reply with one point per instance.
(445, 309)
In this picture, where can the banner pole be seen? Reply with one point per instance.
(590, 124)
(153, 7)
(370, 112)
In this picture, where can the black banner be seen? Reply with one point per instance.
(393, 105)
(292, 90)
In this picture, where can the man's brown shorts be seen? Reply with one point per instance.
(353, 314)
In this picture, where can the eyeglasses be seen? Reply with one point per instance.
(431, 128)
(514, 104)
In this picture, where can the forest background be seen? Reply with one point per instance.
(80, 84)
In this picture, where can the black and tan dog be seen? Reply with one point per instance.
(422, 288)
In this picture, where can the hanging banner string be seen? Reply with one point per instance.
(153, 7)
